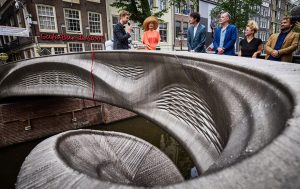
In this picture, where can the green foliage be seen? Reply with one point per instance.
(240, 10)
(297, 2)
(140, 9)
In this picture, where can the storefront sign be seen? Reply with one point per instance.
(65, 37)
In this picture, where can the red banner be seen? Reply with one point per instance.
(64, 37)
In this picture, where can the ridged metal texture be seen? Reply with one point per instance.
(67, 159)
(237, 117)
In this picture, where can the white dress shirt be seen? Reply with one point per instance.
(195, 28)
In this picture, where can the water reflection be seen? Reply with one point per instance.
(12, 157)
(150, 132)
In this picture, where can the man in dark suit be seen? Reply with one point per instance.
(225, 36)
(196, 35)
(120, 35)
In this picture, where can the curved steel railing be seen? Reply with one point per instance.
(237, 117)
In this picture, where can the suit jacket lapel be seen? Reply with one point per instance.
(288, 35)
(226, 34)
(275, 40)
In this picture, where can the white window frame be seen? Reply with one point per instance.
(136, 35)
(12, 23)
(166, 33)
(95, 1)
(19, 20)
(101, 28)
(80, 21)
(177, 35)
(162, 4)
(83, 49)
(97, 44)
(59, 53)
(185, 36)
(72, 1)
(55, 21)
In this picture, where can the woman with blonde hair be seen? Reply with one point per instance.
(251, 46)
(151, 36)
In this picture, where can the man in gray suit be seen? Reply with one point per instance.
(196, 35)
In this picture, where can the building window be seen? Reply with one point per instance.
(45, 52)
(151, 4)
(178, 29)
(135, 36)
(96, 1)
(162, 4)
(95, 23)
(72, 20)
(278, 3)
(59, 50)
(115, 20)
(278, 16)
(177, 8)
(263, 36)
(97, 46)
(263, 23)
(163, 31)
(186, 9)
(46, 18)
(75, 47)
(265, 11)
(12, 23)
(185, 28)
(258, 9)
(19, 19)
(72, 1)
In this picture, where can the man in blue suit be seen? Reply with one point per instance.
(225, 36)
(196, 34)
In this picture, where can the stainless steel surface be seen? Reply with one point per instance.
(66, 160)
(230, 113)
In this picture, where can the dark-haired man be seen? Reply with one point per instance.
(196, 35)
(280, 46)
(120, 35)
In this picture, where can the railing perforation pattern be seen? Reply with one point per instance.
(194, 111)
(52, 78)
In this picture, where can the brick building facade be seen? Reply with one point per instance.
(31, 119)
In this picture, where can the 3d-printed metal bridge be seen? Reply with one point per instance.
(238, 118)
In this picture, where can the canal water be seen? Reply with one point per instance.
(12, 157)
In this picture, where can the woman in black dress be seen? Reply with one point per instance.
(250, 46)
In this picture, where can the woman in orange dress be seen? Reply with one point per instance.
(151, 36)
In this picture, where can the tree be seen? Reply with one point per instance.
(141, 9)
(240, 10)
(297, 2)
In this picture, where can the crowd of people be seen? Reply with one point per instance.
(279, 47)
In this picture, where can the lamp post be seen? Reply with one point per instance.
(181, 34)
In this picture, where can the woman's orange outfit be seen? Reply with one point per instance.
(151, 39)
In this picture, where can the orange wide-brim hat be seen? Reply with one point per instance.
(148, 20)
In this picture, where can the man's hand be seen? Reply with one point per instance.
(130, 29)
(297, 25)
(275, 53)
(220, 50)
